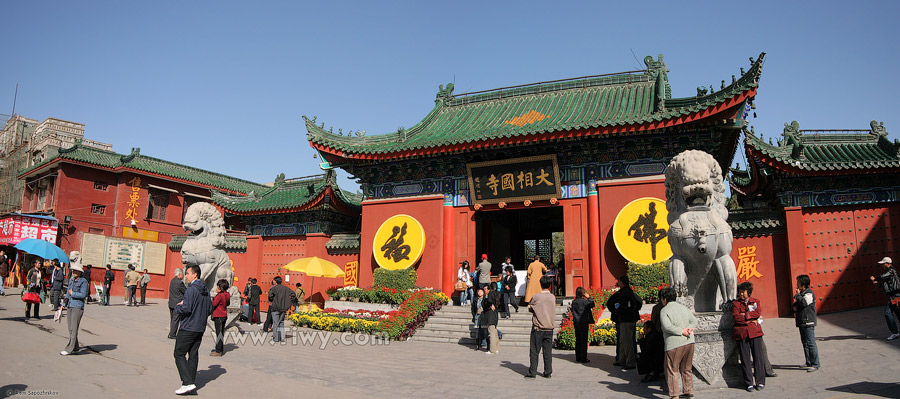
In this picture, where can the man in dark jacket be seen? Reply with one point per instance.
(108, 279)
(489, 317)
(252, 292)
(280, 300)
(890, 283)
(176, 294)
(625, 307)
(805, 317)
(582, 318)
(194, 309)
(56, 284)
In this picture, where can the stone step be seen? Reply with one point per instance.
(453, 324)
(451, 336)
(468, 320)
(522, 309)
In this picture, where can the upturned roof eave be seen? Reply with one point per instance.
(312, 202)
(338, 148)
(336, 155)
(830, 169)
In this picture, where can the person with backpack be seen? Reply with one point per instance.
(108, 279)
(890, 283)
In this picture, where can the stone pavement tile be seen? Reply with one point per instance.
(134, 354)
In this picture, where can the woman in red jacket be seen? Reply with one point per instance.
(220, 313)
(748, 333)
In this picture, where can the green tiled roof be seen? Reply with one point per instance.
(233, 242)
(616, 100)
(136, 161)
(756, 223)
(286, 194)
(829, 150)
(343, 243)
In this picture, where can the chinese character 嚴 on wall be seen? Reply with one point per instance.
(747, 263)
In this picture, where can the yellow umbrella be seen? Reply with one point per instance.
(314, 267)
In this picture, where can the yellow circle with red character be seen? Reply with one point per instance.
(641, 231)
(399, 242)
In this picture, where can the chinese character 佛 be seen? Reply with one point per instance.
(645, 229)
(393, 248)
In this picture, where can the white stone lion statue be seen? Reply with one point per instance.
(701, 271)
(205, 245)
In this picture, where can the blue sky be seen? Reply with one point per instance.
(222, 85)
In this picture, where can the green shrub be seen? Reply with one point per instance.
(404, 279)
(648, 279)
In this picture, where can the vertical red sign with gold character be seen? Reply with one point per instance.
(351, 274)
(133, 204)
(747, 263)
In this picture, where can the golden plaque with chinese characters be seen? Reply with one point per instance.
(640, 231)
(399, 242)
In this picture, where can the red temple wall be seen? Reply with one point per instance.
(575, 222)
(74, 194)
(612, 197)
(774, 288)
(428, 211)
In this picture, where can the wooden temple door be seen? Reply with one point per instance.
(831, 247)
(843, 246)
(876, 235)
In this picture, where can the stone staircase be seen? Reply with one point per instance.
(453, 324)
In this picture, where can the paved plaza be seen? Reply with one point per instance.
(130, 356)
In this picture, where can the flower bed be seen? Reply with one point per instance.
(413, 313)
(601, 333)
(372, 294)
(397, 324)
(323, 320)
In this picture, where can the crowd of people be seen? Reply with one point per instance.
(666, 341)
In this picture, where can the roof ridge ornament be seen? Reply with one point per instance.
(792, 137)
(444, 95)
(657, 71)
(72, 148)
(279, 180)
(135, 151)
(878, 128)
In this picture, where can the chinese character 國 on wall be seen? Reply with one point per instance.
(351, 274)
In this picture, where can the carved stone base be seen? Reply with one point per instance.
(715, 352)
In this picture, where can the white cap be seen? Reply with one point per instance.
(886, 260)
(76, 267)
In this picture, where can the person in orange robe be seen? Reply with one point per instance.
(536, 270)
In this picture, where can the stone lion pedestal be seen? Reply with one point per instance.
(716, 357)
